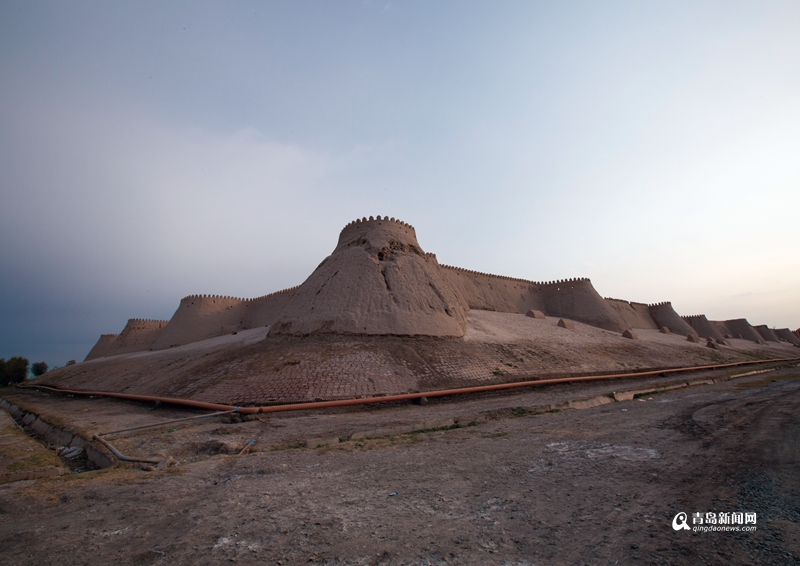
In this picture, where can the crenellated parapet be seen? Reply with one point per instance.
(239, 299)
(516, 279)
(273, 294)
(661, 304)
(359, 222)
(482, 274)
(382, 237)
(221, 297)
(562, 281)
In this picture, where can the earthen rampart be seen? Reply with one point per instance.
(199, 317)
(703, 327)
(664, 315)
(138, 335)
(633, 315)
(788, 335)
(577, 299)
(102, 347)
(265, 310)
(740, 328)
(379, 280)
(767, 334)
(574, 298)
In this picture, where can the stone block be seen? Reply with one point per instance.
(711, 344)
(630, 334)
(40, 427)
(664, 330)
(693, 338)
(589, 403)
(535, 314)
(568, 324)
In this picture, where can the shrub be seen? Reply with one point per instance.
(15, 370)
(39, 368)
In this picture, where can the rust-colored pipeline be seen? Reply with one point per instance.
(122, 457)
(389, 398)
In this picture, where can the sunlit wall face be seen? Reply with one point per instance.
(150, 151)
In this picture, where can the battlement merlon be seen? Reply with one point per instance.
(381, 234)
(517, 279)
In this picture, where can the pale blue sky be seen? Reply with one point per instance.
(153, 150)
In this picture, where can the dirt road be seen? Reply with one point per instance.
(594, 486)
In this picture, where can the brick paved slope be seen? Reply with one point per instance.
(251, 368)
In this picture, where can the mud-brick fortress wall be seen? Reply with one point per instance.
(378, 280)
(703, 327)
(484, 291)
(788, 335)
(102, 347)
(740, 328)
(199, 317)
(766, 333)
(575, 299)
(264, 311)
(139, 334)
(665, 316)
(633, 315)
(205, 316)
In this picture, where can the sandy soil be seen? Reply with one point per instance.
(516, 486)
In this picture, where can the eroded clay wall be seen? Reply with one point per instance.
(200, 317)
(102, 347)
(377, 280)
(788, 335)
(703, 327)
(630, 315)
(740, 328)
(575, 299)
(721, 328)
(767, 334)
(664, 315)
(484, 291)
(578, 300)
(137, 336)
(264, 311)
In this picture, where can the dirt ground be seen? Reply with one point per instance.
(511, 482)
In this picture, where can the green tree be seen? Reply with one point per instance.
(15, 370)
(39, 368)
